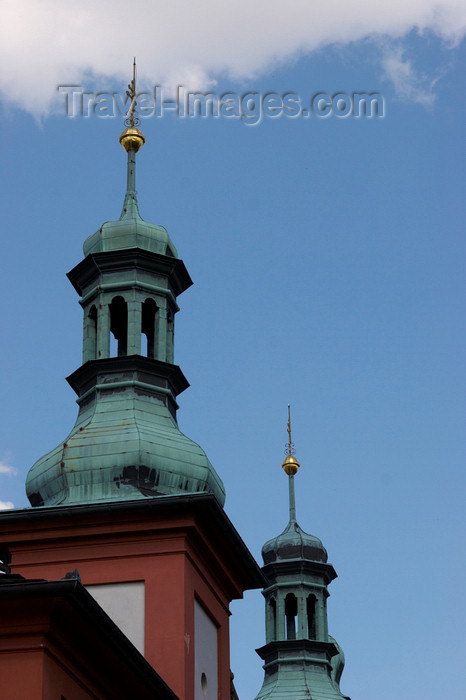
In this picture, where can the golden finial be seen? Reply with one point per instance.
(132, 139)
(291, 464)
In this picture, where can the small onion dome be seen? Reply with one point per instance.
(132, 139)
(290, 465)
(293, 544)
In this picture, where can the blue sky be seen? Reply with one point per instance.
(328, 264)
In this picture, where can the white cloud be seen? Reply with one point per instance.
(6, 505)
(46, 44)
(6, 469)
(407, 82)
(9, 471)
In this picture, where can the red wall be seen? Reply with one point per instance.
(173, 556)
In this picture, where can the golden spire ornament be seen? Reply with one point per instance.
(291, 464)
(132, 139)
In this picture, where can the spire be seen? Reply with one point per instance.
(132, 140)
(291, 466)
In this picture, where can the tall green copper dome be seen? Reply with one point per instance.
(126, 443)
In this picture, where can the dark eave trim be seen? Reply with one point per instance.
(94, 264)
(293, 567)
(86, 375)
(272, 651)
(204, 507)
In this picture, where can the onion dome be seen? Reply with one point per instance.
(121, 447)
(292, 544)
(130, 231)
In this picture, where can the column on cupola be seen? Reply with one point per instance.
(149, 326)
(271, 618)
(302, 622)
(283, 629)
(89, 332)
(134, 325)
(161, 348)
(103, 330)
(170, 336)
(323, 614)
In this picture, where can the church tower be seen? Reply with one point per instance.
(126, 505)
(302, 661)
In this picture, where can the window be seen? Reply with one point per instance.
(119, 327)
(92, 326)
(273, 618)
(148, 328)
(311, 616)
(291, 611)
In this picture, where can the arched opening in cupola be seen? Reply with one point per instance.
(92, 332)
(273, 619)
(148, 328)
(118, 327)
(311, 616)
(291, 611)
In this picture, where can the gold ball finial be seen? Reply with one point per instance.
(291, 464)
(132, 139)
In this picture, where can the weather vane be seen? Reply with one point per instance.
(132, 120)
(289, 448)
(132, 139)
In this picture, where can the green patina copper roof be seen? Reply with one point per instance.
(130, 231)
(293, 543)
(125, 445)
(296, 675)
